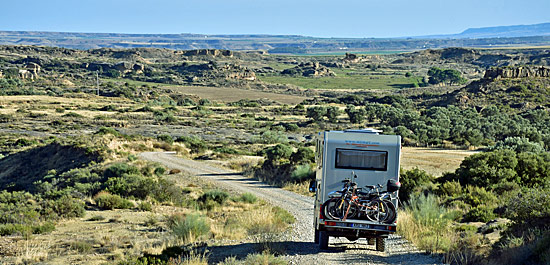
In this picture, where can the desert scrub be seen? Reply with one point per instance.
(195, 144)
(107, 201)
(246, 198)
(145, 206)
(189, 228)
(210, 199)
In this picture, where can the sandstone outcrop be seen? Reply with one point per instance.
(30, 71)
(123, 67)
(310, 69)
(212, 71)
(209, 52)
(517, 72)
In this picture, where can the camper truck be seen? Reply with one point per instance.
(368, 159)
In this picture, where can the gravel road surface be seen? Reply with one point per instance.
(298, 242)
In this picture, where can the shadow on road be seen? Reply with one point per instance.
(216, 254)
(221, 174)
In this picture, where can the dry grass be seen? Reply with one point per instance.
(433, 161)
(300, 188)
(92, 242)
(193, 258)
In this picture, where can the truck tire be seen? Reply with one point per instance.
(323, 240)
(380, 244)
(316, 240)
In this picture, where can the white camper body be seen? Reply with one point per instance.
(373, 158)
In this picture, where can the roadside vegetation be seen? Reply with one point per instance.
(492, 209)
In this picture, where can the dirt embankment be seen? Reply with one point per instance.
(297, 243)
(18, 171)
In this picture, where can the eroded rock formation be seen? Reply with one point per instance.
(310, 69)
(517, 72)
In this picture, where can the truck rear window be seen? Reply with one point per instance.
(361, 159)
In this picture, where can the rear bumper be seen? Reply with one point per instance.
(356, 228)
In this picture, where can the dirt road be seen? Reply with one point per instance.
(297, 243)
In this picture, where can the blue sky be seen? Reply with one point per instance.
(320, 18)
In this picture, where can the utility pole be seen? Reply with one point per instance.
(97, 81)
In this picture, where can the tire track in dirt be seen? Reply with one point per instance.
(298, 242)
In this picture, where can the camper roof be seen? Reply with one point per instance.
(366, 130)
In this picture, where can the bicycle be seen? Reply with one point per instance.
(373, 205)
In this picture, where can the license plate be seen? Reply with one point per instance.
(361, 225)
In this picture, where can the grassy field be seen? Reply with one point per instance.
(344, 81)
(229, 94)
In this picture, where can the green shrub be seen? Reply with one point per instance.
(217, 196)
(166, 190)
(194, 143)
(480, 213)
(530, 206)
(145, 206)
(165, 138)
(427, 223)
(277, 152)
(476, 196)
(487, 169)
(119, 169)
(24, 142)
(271, 137)
(68, 207)
(44, 228)
(132, 157)
(303, 155)
(450, 189)
(107, 201)
(159, 171)
(131, 185)
(12, 229)
(18, 207)
(189, 228)
(302, 173)
(413, 182)
(247, 198)
(427, 211)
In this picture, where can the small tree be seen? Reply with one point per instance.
(316, 113)
(355, 115)
(303, 155)
(332, 114)
(277, 152)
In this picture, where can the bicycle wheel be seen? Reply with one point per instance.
(336, 208)
(391, 212)
(381, 211)
(352, 211)
(333, 208)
